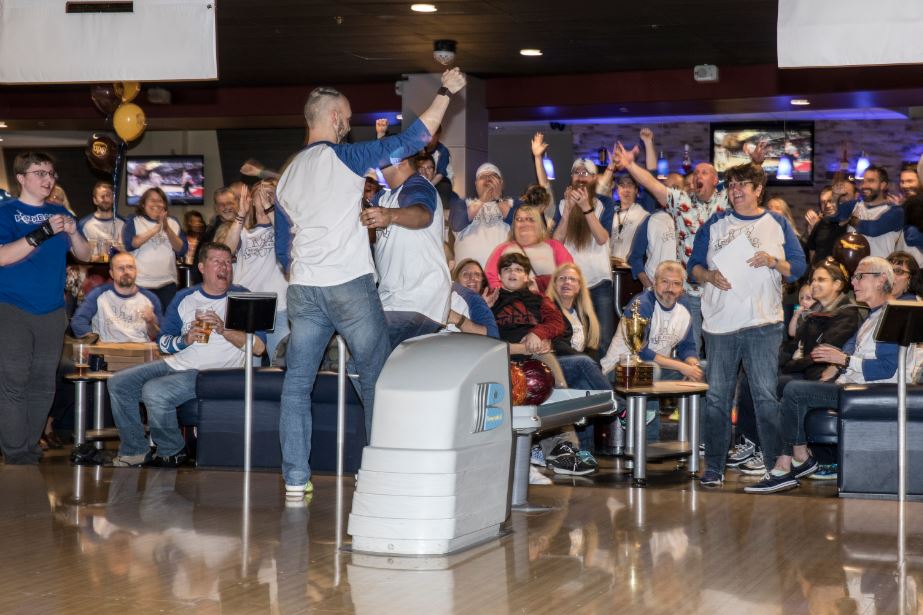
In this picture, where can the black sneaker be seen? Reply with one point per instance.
(808, 467)
(772, 484)
(570, 465)
(168, 461)
(740, 452)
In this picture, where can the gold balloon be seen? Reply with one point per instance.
(127, 90)
(129, 121)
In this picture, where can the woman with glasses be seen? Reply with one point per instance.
(469, 311)
(908, 285)
(528, 236)
(742, 311)
(156, 239)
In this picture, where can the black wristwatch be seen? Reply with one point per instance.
(444, 91)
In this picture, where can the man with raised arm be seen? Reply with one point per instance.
(332, 273)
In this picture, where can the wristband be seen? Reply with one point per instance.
(270, 209)
(461, 321)
(444, 91)
(846, 359)
(587, 212)
(40, 235)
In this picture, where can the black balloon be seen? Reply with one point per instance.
(850, 249)
(102, 151)
(105, 97)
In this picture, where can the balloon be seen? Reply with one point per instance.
(850, 249)
(129, 121)
(517, 384)
(127, 90)
(101, 152)
(539, 381)
(104, 97)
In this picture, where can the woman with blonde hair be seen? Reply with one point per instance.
(529, 236)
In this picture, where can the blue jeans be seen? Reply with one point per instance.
(757, 349)
(798, 398)
(694, 305)
(582, 372)
(278, 334)
(353, 310)
(162, 389)
(406, 325)
(604, 305)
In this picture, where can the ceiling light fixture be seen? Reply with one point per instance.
(423, 8)
(530, 52)
(800, 102)
(3, 125)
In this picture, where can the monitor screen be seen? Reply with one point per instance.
(182, 178)
(732, 142)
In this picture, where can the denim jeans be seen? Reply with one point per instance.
(315, 313)
(604, 305)
(694, 305)
(278, 334)
(406, 325)
(797, 399)
(757, 349)
(162, 389)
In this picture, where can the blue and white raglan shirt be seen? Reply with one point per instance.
(880, 224)
(94, 229)
(655, 242)
(872, 361)
(443, 160)
(668, 328)
(256, 266)
(593, 259)
(412, 272)
(473, 307)
(321, 193)
(155, 259)
(725, 311)
(114, 316)
(218, 353)
(36, 283)
(911, 241)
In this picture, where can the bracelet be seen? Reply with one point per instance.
(240, 219)
(40, 235)
(444, 91)
(846, 359)
(461, 321)
(588, 212)
(270, 209)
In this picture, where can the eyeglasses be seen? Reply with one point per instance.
(42, 174)
(568, 278)
(901, 271)
(583, 173)
(736, 185)
(859, 275)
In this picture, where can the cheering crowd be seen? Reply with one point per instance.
(735, 294)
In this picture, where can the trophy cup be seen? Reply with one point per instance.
(631, 371)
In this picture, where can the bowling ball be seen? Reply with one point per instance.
(539, 381)
(850, 249)
(517, 384)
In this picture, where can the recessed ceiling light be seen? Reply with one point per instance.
(530, 52)
(423, 8)
(800, 102)
(3, 125)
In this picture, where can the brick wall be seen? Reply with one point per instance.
(885, 142)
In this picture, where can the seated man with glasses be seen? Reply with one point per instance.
(862, 360)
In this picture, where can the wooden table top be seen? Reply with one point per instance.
(666, 388)
(89, 375)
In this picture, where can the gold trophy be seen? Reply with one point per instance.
(631, 371)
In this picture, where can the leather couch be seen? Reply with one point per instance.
(220, 435)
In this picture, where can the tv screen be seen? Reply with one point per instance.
(732, 142)
(182, 178)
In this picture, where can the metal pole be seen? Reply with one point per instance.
(80, 412)
(248, 399)
(694, 429)
(99, 408)
(341, 404)
(901, 474)
(638, 409)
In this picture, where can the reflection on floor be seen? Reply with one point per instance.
(165, 541)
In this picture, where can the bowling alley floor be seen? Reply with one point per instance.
(136, 541)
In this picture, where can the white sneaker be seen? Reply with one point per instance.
(537, 478)
(753, 466)
(297, 491)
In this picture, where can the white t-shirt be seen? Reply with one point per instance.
(578, 339)
(116, 317)
(155, 259)
(487, 230)
(881, 245)
(94, 229)
(624, 224)
(256, 266)
(593, 259)
(661, 241)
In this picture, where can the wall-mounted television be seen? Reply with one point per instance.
(182, 178)
(731, 143)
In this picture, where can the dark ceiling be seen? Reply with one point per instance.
(274, 42)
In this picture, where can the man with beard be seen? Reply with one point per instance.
(119, 311)
(333, 274)
(910, 181)
(875, 218)
(226, 199)
(194, 337)
(827, 230)
(102, 224)
(581, 222)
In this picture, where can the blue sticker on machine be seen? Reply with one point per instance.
(493, 415)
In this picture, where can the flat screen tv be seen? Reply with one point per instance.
(731, 142)
(182, 178)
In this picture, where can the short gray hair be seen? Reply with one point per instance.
(675, 265)
(317, 100)
(883, 267)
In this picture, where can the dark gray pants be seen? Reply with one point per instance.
(28, 362)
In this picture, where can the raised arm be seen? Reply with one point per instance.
(453, 80)
(650, 153)
(626, 159)
(539, 147)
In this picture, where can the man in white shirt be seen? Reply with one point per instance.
(332, 274)
(194, 337)
(102, 226)
(119, 311)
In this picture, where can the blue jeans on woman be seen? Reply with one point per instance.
(315, 313)
(604, 305)
(757, 349)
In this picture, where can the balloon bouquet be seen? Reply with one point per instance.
(104, 153)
